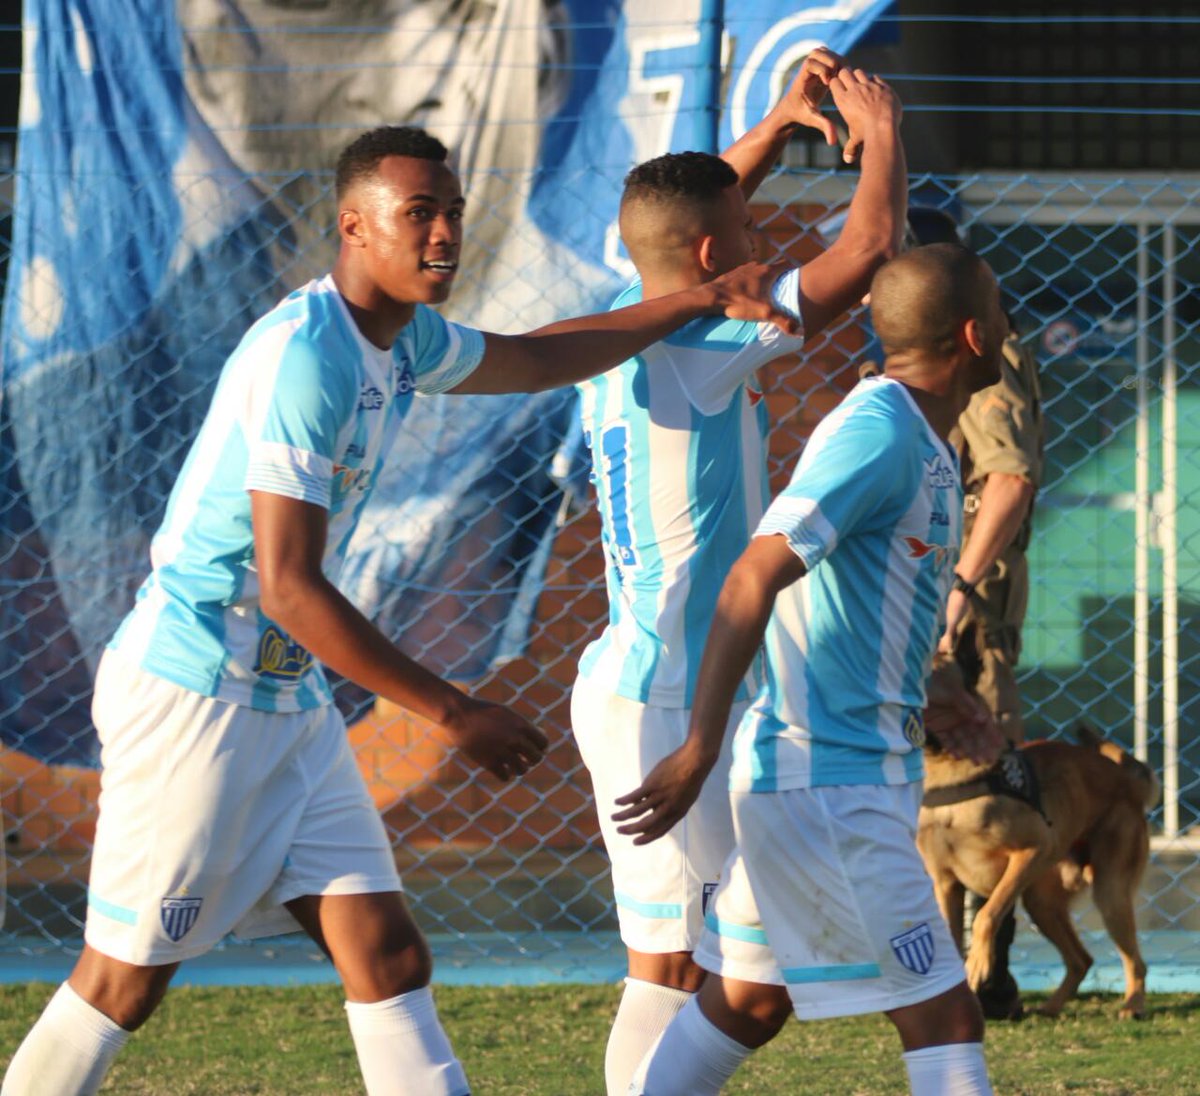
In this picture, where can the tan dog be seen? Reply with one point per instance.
(1091, 829)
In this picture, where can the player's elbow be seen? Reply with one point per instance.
(282, 596)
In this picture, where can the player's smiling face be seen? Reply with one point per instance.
(414, 211)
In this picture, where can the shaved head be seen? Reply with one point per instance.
(669, 202)
(921, 299)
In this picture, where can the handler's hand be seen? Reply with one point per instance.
(497, 739)
(961, 721)
(744, 293)
(665, 796)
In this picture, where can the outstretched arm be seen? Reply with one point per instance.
(767, 566)
(572, 350)
(754, 153)
(289, 542)
(837, 279)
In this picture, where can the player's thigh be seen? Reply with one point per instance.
(661, 888)
(198, 802)
(845, 902)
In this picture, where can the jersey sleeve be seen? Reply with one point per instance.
(293, 415)
(1002, 424)
(850, 478)
(443, 354)
(710, 369)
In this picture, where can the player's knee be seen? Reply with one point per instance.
(951, 1017)
(387, 968)
(127, 997)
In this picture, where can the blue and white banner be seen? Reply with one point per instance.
(173, 181)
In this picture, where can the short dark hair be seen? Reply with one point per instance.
(919, 298)
(361, 157)
(700, 176)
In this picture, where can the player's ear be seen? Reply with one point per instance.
(706, 253)
(973, 336)
(352, 227)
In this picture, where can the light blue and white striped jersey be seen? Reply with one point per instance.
(678, 443)
(874, 510)
(305, 407)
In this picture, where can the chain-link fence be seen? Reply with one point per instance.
(1102, 276)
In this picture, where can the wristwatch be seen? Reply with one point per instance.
(962, 585)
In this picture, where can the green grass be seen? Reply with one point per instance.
(549, 1041)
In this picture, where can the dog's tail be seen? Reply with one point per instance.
(1144, 777)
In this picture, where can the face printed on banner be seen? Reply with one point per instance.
(286, 84)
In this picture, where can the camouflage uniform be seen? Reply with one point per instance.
(1000, 431)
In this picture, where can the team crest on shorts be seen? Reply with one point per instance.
(179, 915)
(914, 948)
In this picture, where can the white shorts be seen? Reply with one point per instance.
(660, 889)
(827, 894)
(212, 815)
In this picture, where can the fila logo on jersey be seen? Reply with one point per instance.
(919, 549)
(914, 948)
(370, 399)
(179, 915)
(940, 474)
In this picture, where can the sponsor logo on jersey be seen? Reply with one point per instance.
(370, 398)
(914, 948)
(914, 728)
(179, 915)
(939, 518)
(405, 383)
(281, 658)
(355, 451)
(939, 473)
(919, 549)
(347, 479)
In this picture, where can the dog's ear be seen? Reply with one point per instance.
(1087, 736)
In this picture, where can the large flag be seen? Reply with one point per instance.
(174, 181)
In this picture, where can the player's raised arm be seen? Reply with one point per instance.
(289, 542)
(754, 153)
(839, 278)
(767, 566)
(573, 350)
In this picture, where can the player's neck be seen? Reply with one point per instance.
(936, 389)
(659, 283)
(377, 316)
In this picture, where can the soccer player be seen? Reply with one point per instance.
(825, 908)
(230, 797)
(678, 442)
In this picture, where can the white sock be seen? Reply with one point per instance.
(67, 1052)
(402, 1049)
(691, 1058)
(952, 1069)
(643, 1015)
